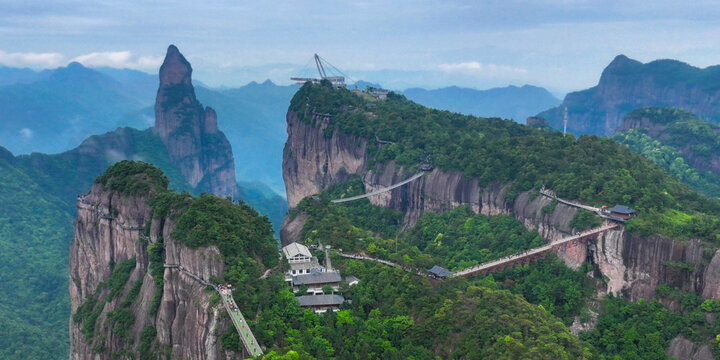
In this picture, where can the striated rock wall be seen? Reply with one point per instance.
(190, 132)
(187, 326)
(631, 265)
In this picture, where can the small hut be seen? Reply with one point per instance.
(439, 273)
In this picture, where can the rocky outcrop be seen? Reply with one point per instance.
(111, 228)
(292, 228)
(626, 84)
(312, 160)
(683, 349)
(190, 132)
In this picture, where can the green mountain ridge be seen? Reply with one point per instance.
(677, 141)
(590, 169)
(627, 84)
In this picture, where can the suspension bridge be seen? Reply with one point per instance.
(380, 191)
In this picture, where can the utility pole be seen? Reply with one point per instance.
(565, 120)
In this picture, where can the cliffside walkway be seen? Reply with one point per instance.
(380, 191)
(531, 255)
(108, 216)
(248, 339)
(552, 195)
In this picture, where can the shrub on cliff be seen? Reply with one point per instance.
(133, 178)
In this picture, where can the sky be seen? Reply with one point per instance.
(560, 45)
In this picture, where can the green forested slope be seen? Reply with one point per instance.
(394, 315)
(680, 143)
(35, 233)
(37, 195)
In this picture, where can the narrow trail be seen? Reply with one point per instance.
(380, 191)
(384, 262)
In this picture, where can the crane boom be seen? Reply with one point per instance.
(336, 81)
(320, 67)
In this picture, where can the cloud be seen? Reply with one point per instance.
(120, 60)
(26, 133)
(31, 59)
(464, 66)
(476, 67)
(108, 58)
(51, 60)
(149, 62)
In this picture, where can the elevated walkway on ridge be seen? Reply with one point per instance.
(532, 254)
(248, 339)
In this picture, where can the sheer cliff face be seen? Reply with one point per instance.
(626, 84)
(631, 265)
(187, 326)
(190, 132)
(312, 161)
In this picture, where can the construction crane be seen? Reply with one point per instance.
(336, 81)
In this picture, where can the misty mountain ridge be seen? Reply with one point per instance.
(510, 102)
(627, 84)
(61, 107)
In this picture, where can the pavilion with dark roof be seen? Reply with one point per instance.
(622, 211)
(321, 303)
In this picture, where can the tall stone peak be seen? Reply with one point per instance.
(175, 69)
(190, 131)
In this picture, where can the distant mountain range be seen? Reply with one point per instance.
(627, 84)
(510, 102)
(55, 110)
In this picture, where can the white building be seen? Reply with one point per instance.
(301, 261)
(297, 253)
